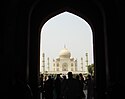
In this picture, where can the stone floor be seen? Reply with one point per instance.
(85, 91)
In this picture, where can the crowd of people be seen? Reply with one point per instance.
(67, 87)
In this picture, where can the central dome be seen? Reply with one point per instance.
(64, 53)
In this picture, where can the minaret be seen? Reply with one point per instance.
(43, 63)
(87, 61)
(53, 65)
(48, 63)
(82, 63)
(76, 65)
(64, 46)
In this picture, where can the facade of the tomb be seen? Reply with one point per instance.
(63, 64)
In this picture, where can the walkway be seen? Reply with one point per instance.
(85, 91)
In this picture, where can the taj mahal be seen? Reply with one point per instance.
(64, 63)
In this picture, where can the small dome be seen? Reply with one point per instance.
(64, 53)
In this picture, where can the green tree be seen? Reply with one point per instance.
(91, 69)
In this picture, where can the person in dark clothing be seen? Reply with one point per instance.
(48, 88)
(90, 87)
(71, 88)
(82, 80)
(63, 84)
(82, 94)
(57, 84)
(41, 82)
(41, 86)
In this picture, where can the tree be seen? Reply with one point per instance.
(91, 69)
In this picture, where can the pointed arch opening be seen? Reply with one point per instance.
(75, 34)
(72, 30)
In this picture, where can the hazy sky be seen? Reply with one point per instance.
(69, 30)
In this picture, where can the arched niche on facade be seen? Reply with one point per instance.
(42, 11)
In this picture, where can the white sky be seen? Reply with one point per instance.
(70, 30)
